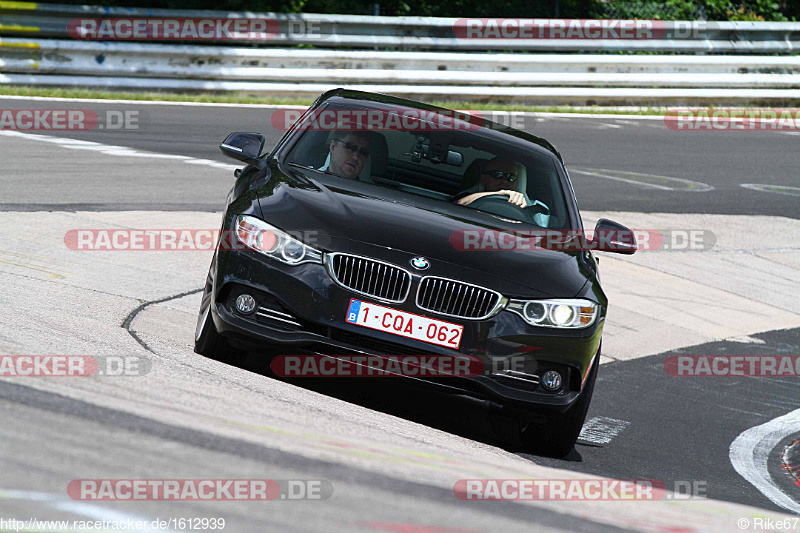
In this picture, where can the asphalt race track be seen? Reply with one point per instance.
(723, 160)
(387, 453)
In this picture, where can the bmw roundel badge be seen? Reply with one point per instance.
(420, 263)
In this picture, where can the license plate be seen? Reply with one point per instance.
(404, 324)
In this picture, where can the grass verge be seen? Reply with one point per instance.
(227, 98)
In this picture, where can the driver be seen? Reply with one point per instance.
(349, 151)
(500, 176)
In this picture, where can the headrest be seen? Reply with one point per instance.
(472, 176)
(379, 154)
(522, 179)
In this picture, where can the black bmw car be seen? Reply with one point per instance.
(387, 227)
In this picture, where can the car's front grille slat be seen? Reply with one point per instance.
(461, 299)
(370, 277)
(442, 292)
(449, 304)
(369, 281)
(469, 301)
(382, 277)
(340, 270)
(474, 306)
(455, 298)
(392, 285)
(397, 284)
(354, 271)
(425, 293)
(447, 307)
(484, 300)
(347, 273)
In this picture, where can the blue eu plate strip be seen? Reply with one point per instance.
(352, 313)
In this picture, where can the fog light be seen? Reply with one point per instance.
(245, 304)
(551, 380)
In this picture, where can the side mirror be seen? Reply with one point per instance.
(612, 237)
(245, 147)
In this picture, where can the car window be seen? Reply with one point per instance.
(444, 165)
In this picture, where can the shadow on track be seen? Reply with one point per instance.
(460, 415)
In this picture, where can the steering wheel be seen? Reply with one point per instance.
(498, 204)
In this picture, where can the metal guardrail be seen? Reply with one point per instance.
(411, 68)
(438, 73)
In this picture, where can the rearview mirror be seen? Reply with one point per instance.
(435, 155)
(610, 236)
(245, 147)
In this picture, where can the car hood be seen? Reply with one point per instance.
(341, 215)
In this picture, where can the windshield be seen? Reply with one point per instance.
(469, 166)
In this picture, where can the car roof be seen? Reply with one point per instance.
(383, 101)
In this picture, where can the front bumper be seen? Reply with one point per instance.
(304, 312)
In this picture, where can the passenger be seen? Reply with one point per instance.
(349, 151)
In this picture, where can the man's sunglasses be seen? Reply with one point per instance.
(499, 174)
(353, 147)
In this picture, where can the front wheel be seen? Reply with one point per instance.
(556, 438)
(210, 343)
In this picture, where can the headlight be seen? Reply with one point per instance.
(269, 240)
(555, 313)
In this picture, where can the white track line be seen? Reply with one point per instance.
(120, 151)
(777, 189)
(600, 430)
(149, 102)
(750, 451)
(646, 180)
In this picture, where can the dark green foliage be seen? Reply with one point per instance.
(665, 9)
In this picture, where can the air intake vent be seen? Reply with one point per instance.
(369, 277)
(457, 299)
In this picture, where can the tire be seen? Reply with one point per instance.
(556, 438)
(209, 343)
(507, 429)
